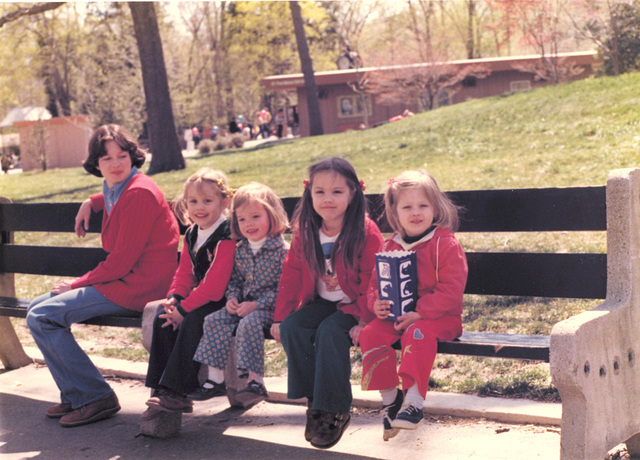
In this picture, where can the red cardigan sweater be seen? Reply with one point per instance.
(442, 273)
(214, 259)
(298, 287)
(141, 235)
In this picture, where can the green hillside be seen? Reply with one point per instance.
(563, 135)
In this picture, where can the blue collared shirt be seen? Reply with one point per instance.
(111, 194)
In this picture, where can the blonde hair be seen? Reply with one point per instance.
(257, 193)
(445, 212)
(203, 176)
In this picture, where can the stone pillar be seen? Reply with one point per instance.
(594, 355)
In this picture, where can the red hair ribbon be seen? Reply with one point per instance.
(362, 185)
(305, 183)
(391, 181)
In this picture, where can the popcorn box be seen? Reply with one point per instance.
(398, 280)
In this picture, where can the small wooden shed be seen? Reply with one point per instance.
(56, 143)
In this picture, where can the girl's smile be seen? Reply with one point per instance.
(115, 166)
(205, 204)
(331, 197)
(253, 221)
(415, 212)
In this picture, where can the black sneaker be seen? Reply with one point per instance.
(330, 431)
(202, 393)
(389, 414)
(409, 418)
(252, 394)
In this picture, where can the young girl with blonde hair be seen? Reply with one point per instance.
(198, 289)
(258, 221)
(424, 220)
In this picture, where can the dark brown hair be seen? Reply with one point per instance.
(308, 222)
(120, 136)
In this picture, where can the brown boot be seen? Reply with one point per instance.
(171, 402)
(330, 431)
(59, 410)
(92, 412)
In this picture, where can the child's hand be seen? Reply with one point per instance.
(354, 333)
(245, 308)
(232, 306)
(382, 308)
(171, 314)
(275, 332)
(406, 320)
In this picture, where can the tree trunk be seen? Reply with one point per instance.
(315, 117)
(163, 138)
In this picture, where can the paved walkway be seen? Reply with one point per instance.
(456, 426)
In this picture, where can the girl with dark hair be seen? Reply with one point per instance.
(140, 235)
(322, 304)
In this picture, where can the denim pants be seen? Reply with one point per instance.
(316, 340)
(49, 319)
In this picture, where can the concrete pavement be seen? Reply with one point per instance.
(456, 426)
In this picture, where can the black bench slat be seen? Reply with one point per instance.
(43, 217)
(580, 276)
(48, 260)
(520, 210)
(17, 308)
(491, 345)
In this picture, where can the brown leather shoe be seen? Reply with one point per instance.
(59, 410)
(330, 430)
(171, 403)
(92, 412)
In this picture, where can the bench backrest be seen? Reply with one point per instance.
(490, 273)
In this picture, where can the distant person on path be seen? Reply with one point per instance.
(197, 290)
(258, 220)
(322, 303)
(279, 119)
(233, 126)
(423, 219)
(196, 136)
(140, 235)
(264, 118)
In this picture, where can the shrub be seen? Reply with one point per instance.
(206, 146)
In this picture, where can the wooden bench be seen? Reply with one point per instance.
(590, 369)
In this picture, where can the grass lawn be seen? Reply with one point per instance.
(564, 135)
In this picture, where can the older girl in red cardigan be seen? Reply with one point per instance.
(140, 235)
(198, 289)
(322, 302)
(424, 219)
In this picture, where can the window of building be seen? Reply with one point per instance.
(352, 106)
(520, 85)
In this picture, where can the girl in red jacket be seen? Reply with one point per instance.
(198, 289)
(424, 220)
(322, 305)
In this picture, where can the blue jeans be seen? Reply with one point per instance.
(49, 319)
(317, 343)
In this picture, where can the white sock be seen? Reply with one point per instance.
(414, 397)
(257, 377)
(214, 374)
(388, 396)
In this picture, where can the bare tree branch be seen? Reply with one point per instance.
(34, 8)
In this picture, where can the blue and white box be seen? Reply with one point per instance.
(398, 281)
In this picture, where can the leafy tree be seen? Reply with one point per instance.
(614, 27)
